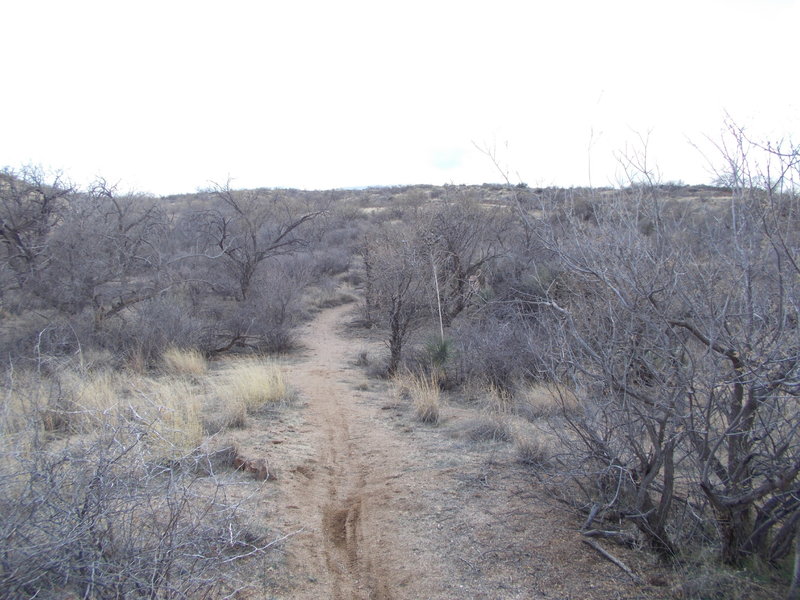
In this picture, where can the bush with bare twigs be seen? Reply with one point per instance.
(103, 514)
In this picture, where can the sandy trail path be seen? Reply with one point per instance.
(352, 494)
(387, 507)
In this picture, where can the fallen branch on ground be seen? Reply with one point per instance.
(610, 557)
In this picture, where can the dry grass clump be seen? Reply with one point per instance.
(487, 429)
(84, 402)
(90, 398)
(224, 413)
(27, 397)
(532, 450)
(425, 394)
(499, 400)
(252, 383)
(184, 361)
(173, 410)
(545, 400)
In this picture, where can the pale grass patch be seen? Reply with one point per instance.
(184, 361)
(26, 399)
(27, 410)
(91, 397)
(173, 409)
(252, 383)
(424, 392)
(546, 400)
(83, 402)
(488, 428)
(500, 400)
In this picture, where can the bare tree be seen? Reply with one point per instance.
(251, 226)
(462, 238)
(682, 339)
(105, 253)
(30, 207)
(396, 280)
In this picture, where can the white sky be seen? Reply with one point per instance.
(165, 96)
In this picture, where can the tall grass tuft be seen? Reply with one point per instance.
(26, 399)
(184, 361)
(545, 400)
(424, 392)
(90, 398)
(253, 383)
(173, 409)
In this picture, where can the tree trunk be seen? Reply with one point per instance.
(651, 524)
(395, 338)
(794, 590)
(735, 527)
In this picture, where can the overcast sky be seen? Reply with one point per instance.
(165, 96)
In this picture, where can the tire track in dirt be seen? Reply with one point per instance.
(332, 494)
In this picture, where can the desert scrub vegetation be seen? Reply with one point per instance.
(537, 400)
(642, 341)
(676, 330)
(656, 337)
(123, 504)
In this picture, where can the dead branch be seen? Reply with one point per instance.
(611, 558)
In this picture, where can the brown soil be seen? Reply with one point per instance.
(381, 506)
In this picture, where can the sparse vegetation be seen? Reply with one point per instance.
(490, 428)
(641, 343)
(532, 450)
(128, 504)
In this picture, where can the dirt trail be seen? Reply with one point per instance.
(348, 494)
(388, 508)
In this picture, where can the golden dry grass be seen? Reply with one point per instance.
(81, 402)
(252, 383)
(184, 361)
(173, 408)
(23, 395)
(545, 400)
(172, 411)
(89, 397)
(425, 394)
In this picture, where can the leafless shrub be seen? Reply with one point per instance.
(247, 227)
(332, 261)
(710, 582)
(685, 359)
(94, 516)
(148, 328)
(496, 351)
(395, 286)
